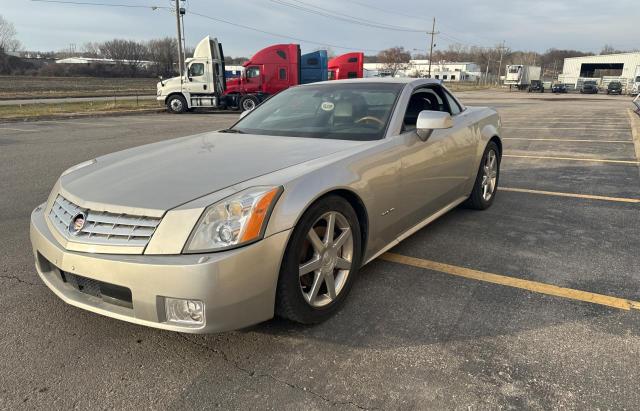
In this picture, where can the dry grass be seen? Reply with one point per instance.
(34, 111)
(15, 87)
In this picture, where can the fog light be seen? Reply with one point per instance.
(184, 311)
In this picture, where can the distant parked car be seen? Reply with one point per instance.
(589, 87)
(559, 88)
(615, 87)
(537, 86)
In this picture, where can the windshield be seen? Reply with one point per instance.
(347, 111)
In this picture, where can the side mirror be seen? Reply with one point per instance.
(244, 114)
(432, 120)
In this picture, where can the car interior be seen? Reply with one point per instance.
(430, 99)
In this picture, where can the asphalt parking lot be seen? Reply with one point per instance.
(531, 304)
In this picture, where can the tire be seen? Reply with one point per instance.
(248, 103)
(177, 104)
(478, 199)
(294, 294)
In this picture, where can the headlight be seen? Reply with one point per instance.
(78, 167)
(237, 220)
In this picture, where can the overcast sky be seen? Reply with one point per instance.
(524, 24)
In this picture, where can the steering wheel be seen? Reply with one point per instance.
(371, 119)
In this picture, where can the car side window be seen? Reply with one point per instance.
(454, 107)
(422, 99)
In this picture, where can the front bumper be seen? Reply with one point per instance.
(237, 287)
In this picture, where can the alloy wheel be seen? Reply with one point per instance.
(489, 175)
(326, 259)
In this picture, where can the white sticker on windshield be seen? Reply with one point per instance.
(327, 106)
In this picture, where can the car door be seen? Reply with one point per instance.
(198, 80)
(434, 172)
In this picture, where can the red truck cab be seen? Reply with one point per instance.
(350, 65)
(269, 71)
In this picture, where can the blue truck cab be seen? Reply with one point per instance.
(314, 67)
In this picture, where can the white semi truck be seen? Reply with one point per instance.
(203, 84)
(520, 75)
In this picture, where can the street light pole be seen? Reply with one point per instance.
(179, 24)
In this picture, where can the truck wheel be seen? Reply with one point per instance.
(248, 103)
(177, 104)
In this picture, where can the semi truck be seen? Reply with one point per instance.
(269, 71)
(520, 75)
(346, 66)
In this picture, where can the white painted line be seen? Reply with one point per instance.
(570, 140)
(586, 128)
(18, 129)
(593, 160)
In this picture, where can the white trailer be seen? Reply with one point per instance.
(520, 75)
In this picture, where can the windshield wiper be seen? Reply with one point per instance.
(231, 130)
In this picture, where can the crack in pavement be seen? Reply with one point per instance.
(251, 373)
(20, 280)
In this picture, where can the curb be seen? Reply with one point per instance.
(68, 116)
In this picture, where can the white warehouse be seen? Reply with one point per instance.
(445, 71)
(624, 67)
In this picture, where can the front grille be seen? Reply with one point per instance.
(102, 228)
(110, 293)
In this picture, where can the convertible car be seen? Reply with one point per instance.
(272, 216)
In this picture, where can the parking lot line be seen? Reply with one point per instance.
(585, 128)
(596, 160)
(572, 195)
(533, 286)
(18, 129)
(570, 140)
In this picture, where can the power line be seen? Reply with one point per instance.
(83, 3)
(319, 11)
(302, 40)
(278, 34)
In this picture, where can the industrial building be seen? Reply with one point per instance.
(445, 71)
(603, 69)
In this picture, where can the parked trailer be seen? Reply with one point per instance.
(520, 75)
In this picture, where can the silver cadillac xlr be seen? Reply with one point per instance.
(273, 216)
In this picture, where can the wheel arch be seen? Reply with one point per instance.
(354, 200)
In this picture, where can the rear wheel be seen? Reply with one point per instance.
(486, 185)
(177, 104)
(320, 263)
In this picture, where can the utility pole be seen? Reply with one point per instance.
(433, 32)
(501, 48)
(179, 12)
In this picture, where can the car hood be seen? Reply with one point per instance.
(152, 179)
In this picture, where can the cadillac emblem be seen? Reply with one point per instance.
(77, 223)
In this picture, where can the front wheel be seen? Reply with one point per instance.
(320, 262)
(486, 185)
(177, 104)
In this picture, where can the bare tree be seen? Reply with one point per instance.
(394, 59)
(126, 52)
(164, 55)
(8, 41)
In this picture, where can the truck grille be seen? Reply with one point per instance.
(102, 228)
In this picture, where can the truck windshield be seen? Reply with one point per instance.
(347, 111)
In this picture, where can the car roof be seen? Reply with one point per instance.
(378, 80)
